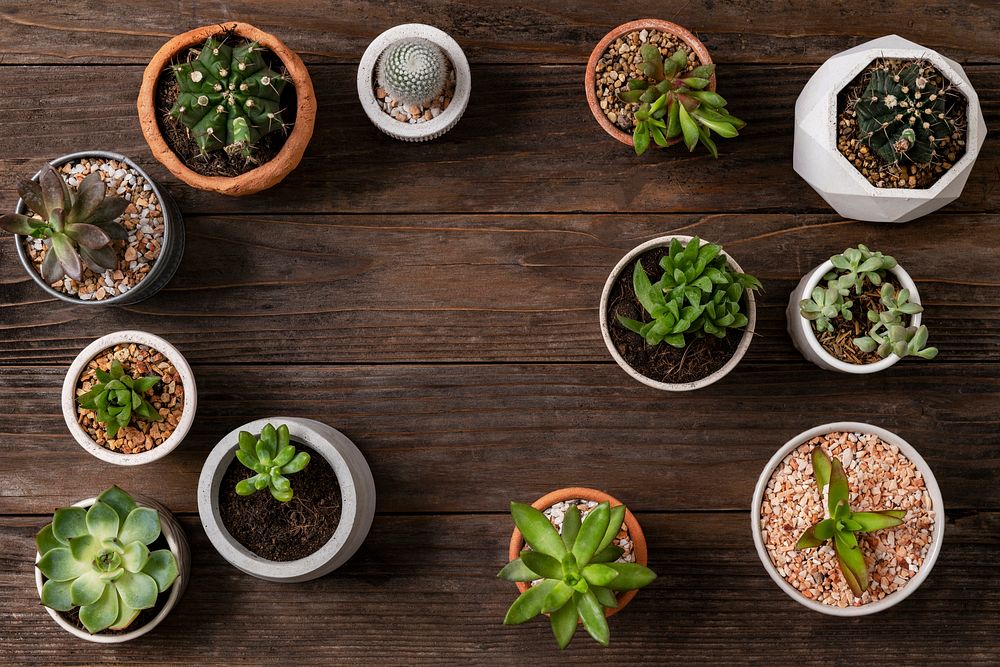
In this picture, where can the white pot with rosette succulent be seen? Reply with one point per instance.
(109, 569)
(414, 82)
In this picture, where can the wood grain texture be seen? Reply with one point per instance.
(500, 30)
(470, 438)
(481, 287)
(422, 591)
(527, 143)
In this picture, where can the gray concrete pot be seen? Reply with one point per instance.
(417, 131)
(804, 336)
(933, 489)
(357, 491)
(741, 349)
(69, 408)
(176, 542)
(817, 160)
(171, 251)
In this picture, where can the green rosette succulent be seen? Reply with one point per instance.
(229, 97)
(842, 525)
(79, 225)
(98, 559)
(576, 568)
(697, 294)
(272, 456)
(118, 397)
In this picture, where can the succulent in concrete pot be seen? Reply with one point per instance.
(412, 70)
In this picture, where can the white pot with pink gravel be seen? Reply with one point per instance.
(847, 519)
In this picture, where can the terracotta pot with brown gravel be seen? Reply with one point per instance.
(678, 32)
(267, 174)
(635, 537)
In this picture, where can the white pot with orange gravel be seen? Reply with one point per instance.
(883, 472)
(174, 397)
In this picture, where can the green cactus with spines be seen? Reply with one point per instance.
(903, 112)
(229, 97)
(412, 71)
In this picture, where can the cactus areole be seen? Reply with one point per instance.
(227, 108)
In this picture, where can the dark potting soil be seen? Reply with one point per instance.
(283, 531)
(145, 615)
(698, 359)
(840, 342)
(220, 163)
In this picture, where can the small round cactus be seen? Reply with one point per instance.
(412, 71)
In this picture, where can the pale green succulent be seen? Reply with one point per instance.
(412, 71)
(856, 265)
(890, 335)
(272, 456)
(98, 559)
(825, 304)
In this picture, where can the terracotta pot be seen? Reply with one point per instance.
(255, 180)
(590, 81)
(574, 492)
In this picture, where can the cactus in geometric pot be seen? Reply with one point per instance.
(98, 559)
(229, 97)
(412, 71)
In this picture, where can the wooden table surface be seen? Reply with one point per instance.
(438, 303)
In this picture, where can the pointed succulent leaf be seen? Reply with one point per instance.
(816, 534)
(138, 589)
(571, 526)
(852, 563)
(547, 567)
(591, 533)
(592, 615)
(610, 553)
(297, 464)
(599, 574)
(142, 525)
(616, 518)
(56, 595)
(564, 622)
(517, 570)
(87, 589)
(102, 521)
(161, 565)
(529, 604)
(872, 521)
(630, 576)
(560, 594)
(45, 540)
(537, 530)
(69, 522)
(119, 501)
(59, 565)
(839, 491)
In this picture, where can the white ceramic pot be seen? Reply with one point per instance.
(69, 407)
(932, 488)
(176, 542)
(627, 262)
(817, 160)
(416, 131)
(357, 493)
(803, 334)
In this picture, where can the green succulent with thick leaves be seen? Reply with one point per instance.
(577, 568)
(842, 524)
(229, 97)
(889, 333)
(675, 104)
(697, 294)
(903, 112)
(855, 266)
(824, 305)
(118, 397)
(98, 559)
(79, 224)
(272, 456)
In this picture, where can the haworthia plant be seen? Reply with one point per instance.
(412, 71)
(577, 569)
(98, 559)
(676, 104)
(229, 97)
(79, 225)
(118, 397)
(841, 524)
(697, 294)
(272, 456)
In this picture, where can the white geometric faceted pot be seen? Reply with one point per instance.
(741, 349)
(804, 335)
(817, 160)
(357, 493)
(933, 490)
(178, 545)
(426, 130)
(69, 408)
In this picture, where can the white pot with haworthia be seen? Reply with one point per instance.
(678, 313)
(888, 131)
(110, 569)
(858, 312)
(414, 82)
(286, 498)
(847, 519)
(129, 398)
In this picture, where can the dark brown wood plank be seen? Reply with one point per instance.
(368, 288)
(421, 591)
(499, 31)
(459, 438)
(527, 143)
